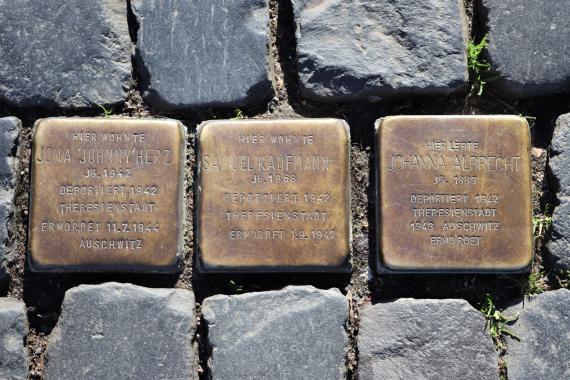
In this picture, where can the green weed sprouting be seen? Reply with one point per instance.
(535, 283)
(496, 322)
(540, 224)
(477, 66)
(106, 112)
(238, 114)
(235, 288)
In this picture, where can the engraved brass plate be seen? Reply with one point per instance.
(454, 193)
(273, 195)
(106, 195)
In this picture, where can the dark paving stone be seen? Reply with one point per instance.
(64, 53)
(559, 167)
(427, 339)
(122, 331)
(528, 46)
(13, 330)
(559, 161)
(9, 131)
(199, 54)
(374, 49)
(294, 333)
(543, 326)
(558, 244)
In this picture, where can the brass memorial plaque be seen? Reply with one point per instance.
(106, 195)
(273, 195)
(454, 193)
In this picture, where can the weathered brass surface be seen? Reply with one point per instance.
(106, 195)
(273, 195)
(454, 193)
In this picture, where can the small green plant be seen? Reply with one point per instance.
(477, 66)
(106, 112)
(496, 322)
(237, 114)
(235, 288)
(540, 224)
(535, 283)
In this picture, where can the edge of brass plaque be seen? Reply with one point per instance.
(380, 267)
(345, 266)
(173, 267)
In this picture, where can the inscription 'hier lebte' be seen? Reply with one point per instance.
(454, 193)
(273, 195)
(106, 195)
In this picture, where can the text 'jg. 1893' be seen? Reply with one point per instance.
(454, 193)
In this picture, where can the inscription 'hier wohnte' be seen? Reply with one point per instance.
(273, 194)
(110, 190)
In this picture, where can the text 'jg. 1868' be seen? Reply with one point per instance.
(273, 195)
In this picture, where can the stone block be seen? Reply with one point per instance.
(294, 333)
(9, 131)
(558, 244)
(427, 339)
(543, 326)
(10, 128)
(528, 46)
(13, 331)
(200, 54)
(376, 49)
(69, 54)
(559, 160)
(123, 331)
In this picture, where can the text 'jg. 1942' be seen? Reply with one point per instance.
(454, 194)
(107, 195)
(273, 195)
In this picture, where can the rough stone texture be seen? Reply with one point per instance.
(543, 327)
(122, 331)
(13, 330)
(348, 50)
(64, 53)
(424, 339)
(294, 333)
(5, 207)
(194, 54)
(9, 131)
(528, 46)
(559, 162)
(559, 166)
(559, 244)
